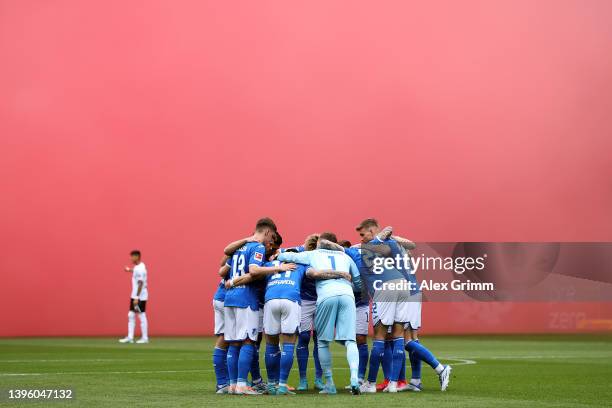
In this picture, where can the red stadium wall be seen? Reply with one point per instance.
(171, 126)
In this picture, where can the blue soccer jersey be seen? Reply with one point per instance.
(361, 297)
(285, 285)
(220, 292)
(322, 259)
(309, 290)
(252, 253)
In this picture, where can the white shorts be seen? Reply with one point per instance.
(260, 324)
(363, 318)
(414, 316)
(281, 316)
(307, 313)
(241, 323)
(396, 307)
(219, 316)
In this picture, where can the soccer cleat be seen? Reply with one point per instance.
(381, 386)
(348, 387)
(319, 384)
(261, 387)
(391, 387)
(329, 389)
(355, 390)
(223, 389)
(414, 387)
(126, 340)
(445, 377)
(246, 390)
(303, 385)
(232, 389)
(368, 388)
(284, 390)
(142, 341)
(271, 390)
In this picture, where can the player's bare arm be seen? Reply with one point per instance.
(135, 301)
(326, 244)
(260, 271)
(327, 274)
(406, 243)
(224, 259)
(223, 271)
(234, 246)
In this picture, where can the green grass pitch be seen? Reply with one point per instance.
(509, 371)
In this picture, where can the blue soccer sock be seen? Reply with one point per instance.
(302, 353)
(363, 360)
(315, 356)
(402, 374)
(220, 366)
(233, 353)
(424, 354)
(352, 355)
(399, 355)
(325, 359)
(376, 355)
(272, 362)
(245, 359)
(286, 361)
(415, 365)
(387, 359)
(255, 370)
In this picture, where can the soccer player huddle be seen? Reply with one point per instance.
(322, 290)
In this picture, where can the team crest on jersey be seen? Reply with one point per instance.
(258, 256)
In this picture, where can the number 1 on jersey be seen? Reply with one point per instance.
(333, 262)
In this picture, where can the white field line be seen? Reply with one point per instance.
(461, 361)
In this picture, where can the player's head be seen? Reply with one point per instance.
(264, 230)
(368, 229)
(344, 243)
(135, 256)
(330, 236)
(274, 244)
(310, 243)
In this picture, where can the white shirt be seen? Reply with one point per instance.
(139, 273)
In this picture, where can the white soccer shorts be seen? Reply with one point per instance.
(260, 324)
(241, 323)
(363, 318)
(281, 316)
(396, 306)
(307, 314)
(219, 316)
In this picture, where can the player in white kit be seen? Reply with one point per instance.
(138, 300)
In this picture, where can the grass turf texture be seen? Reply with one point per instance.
(512, 371)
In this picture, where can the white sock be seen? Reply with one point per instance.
(241, 384)
(144, 325)
(439, 368)
(415, 381)
(352, 355)
(131, 324)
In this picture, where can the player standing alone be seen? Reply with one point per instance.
(138, 300)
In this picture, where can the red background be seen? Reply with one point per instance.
(171, 126)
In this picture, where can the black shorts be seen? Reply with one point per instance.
(142, 305)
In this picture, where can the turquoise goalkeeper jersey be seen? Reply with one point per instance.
(323, 259)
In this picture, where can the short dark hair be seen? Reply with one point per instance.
(265, 222)
(367, 223)
(135, 252)
(345, 243)
(278, 240)
(330, 236)
(291, 250)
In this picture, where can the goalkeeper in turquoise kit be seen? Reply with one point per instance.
(335, 308)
